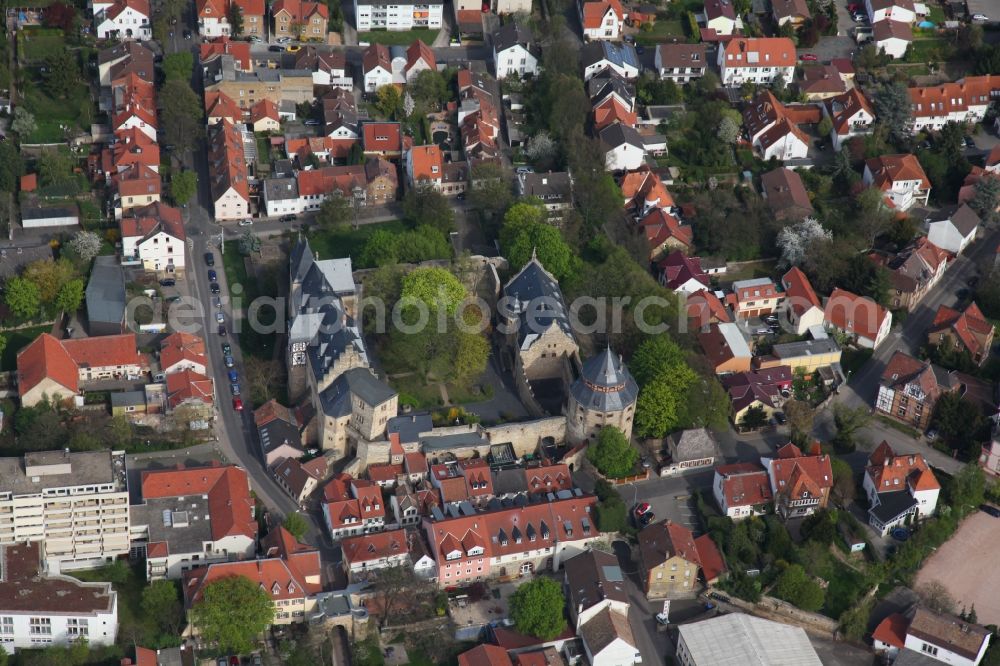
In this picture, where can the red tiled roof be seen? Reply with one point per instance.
(376, 55)
(274, 575)
(384, 472)
(29, 182)
(225, 46)
(147, 221)
(660, 226)
(548, 478)
(612, 111)
(889, 168)
(375, 546)
(892, 630)
(772, 51)
(137, 180)
(327, 180)
(427, 162)
(799, 293)
(595, 11)
(744, 484)
(103, 351)
(418, 51)
(704, 307)
(140, 6)
(299, 10)
(369, 501)
(712, 563)
(970, 326)
(220, 105)
(189, 385)
(890, 472)
(338, 488)
(485, 655)
(226, 161)
(44, 358)
(132, 147)
(228, 488)
(842, 109)
(948, 98)
(265, 108)
(663, 540)
(179, 347)
(795, 476)
(854, 314)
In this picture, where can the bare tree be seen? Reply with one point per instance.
(936, 598)
(262, 377)
(398, 590)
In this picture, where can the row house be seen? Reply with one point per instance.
(515, 52)
(742, 490)
(133, 102)
(227, 171)
(756, 60)
(851, 114)
(601, 19)
(412, 501)
(123, 19)
(901, 489)
(382, 139)
(671, 560)
(54, 369)
(134, 187)
(681, 63)
(858, 316)
(299, 479)
(220, 107)
(964, 101)
(365, 555)
(182, 351)
(153, 237)
(901, 178)
(359, 511)
(213, 18)
(914, 271)
(478, 116)
(191, 393)
(290, 573)
(189, 517)
(463, 481)
(283, 431)
(264, 117)
(212, 50)
(513, 542)
(325, 149)
(381, 15)
(966, 330)
(76, 503)
(38, 610)
(247, 88)
(599, 608)
(131, 148)
(800, 483)
(300, 19)
(373, 183)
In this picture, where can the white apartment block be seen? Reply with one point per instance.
(756, 60)
(76, 502)
(39, 611)
(384, 16)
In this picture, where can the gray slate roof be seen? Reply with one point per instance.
(410, 426)
(693, 445)
(106, 292)
(592, 577)
(356, 382)
(893, 505)
(512, 34)
(962, 218)
(535, 296)
(605, 384)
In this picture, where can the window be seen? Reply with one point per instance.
(929, 649)
(6, 625)
(40, 625)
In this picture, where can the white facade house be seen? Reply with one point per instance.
(624, 148)
(964, 101)
(897, 10)
(953, 229)
(850, 114)
(742, 490)
(385, 16)
(756, 60)
(892, 37)
(901, 179)
(514, 51)
(601, 20)
(946, 638)
(125, 19)
(784, 141)
(51, 610)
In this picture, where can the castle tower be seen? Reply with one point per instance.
(604, 395)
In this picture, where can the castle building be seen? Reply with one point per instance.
(604, 395)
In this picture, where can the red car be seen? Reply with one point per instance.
(238, 404)
(809, 57)
(642, 508)
(854, 8)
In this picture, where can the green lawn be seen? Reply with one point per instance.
(252, 343)
(16, 341)
(418, 394)
(348, 242)
(846, 587)
(50, 113)
(404, 38)
(901, 427)
(925, 49)
(663, 31)
(749, 271)
(37, 46)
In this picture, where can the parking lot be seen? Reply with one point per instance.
(670, 497)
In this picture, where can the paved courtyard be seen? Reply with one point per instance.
(959, 565)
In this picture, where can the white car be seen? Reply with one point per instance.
(661, 618)
(284, 40)
(246, 223)
(981, 18)
(219, 317)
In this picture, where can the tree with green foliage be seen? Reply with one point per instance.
(800, 420)
(844, 487)
(11, 166)
(335, 212)
(380, 249)
(62, 73)
(960, 423)
(798, 589)
(389, 102)
(525, 234)
(612, 454)
(537, 608)
(182, 114)
(821, 526)
(231, 613)
(22, 297)
(54, 167)
(179, 66)
(296, 525)
(436, 287)
(754, 418)
(610, 514)
(161, 602)
(986, 198)
(490, 193)
(183, 186)
(424, 205)
(824, 127)
(660, 368)
(429, 89)
(70, 296)
(967, 489)
(893, 110)
(848, 421)
(234, 14)
(854, 621)
(248, 244)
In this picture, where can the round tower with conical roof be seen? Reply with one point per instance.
(604, 395)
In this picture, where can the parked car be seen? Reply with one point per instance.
(229, 361)
(646, 518)
(283, 40)
(214, 287)
(661, 618)
(969, 143)
(235, 388)
(219, 317)
(222, 330)
(642, 508)
(226, 349)
(233, 376)
(247, 222)
(286, 218)
(809, 57)
(640, 49)
(238, 404)
(209, 259)
(980, 18)
(217, 302)
(525, 169)
(212, 276)
(255, 660)
(990, 509)
(275, 49)
(172, 299)
(168, 282)
(187, 34)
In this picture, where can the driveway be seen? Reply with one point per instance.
(831, 47)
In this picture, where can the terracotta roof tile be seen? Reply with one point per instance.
(44, 358)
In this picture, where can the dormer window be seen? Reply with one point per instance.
(275, 589)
